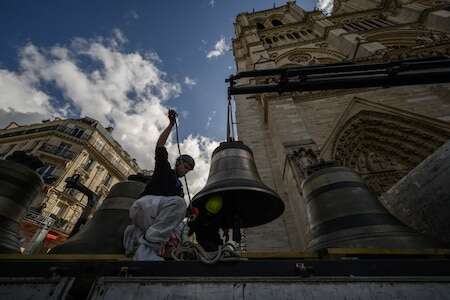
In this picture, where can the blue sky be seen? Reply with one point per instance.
(66, 57)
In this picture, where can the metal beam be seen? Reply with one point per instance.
(346, 76)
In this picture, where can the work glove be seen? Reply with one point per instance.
(172, 116)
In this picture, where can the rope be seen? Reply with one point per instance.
(189, 248)
(230, 130)
(179, 153)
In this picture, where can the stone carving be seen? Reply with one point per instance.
(304, 157)
(307, 56)
(302, 59)
(382, 147)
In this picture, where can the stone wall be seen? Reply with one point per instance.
(275, 126)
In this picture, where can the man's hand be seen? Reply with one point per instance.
(172, 116)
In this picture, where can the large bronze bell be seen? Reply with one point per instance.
(19, 186)
(233, 176)
(104, 233)
(343, 213)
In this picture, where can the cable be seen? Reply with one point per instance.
(179, 153)
(194, 249)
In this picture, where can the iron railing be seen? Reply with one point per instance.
(61, 128)
(45, 218)
(56, 150)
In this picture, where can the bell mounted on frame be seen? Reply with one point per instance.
(235, 190)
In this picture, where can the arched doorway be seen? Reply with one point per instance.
(383, 147)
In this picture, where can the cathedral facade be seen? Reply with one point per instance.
(382, 133)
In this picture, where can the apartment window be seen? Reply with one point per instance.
(59, 209)
(114, 159)
(46, 170)
(7, 149)
(107, 180)
(77, 132)
(99, 143)
(71, 191)
(63, 147)
(276, 22)
(88, 165)
(31, 147)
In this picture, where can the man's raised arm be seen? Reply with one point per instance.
(165, 134)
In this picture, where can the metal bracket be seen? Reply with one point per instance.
(304, 271)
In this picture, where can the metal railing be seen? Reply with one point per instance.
(56, 150)
(47, 219)
(73, 132)
(37, 218)
(61, 128)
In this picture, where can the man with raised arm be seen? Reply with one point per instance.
(161, 207)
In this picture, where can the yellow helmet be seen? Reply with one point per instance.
(214, 204)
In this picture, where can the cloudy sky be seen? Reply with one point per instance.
(124, 63)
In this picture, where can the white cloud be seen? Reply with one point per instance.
(151, 55)
(20, 100)
(212, 3)
(132, 14)
(119, 36)
(96, 79)
(210, 118)
(326, 6)
(189, 82)
(219, 48)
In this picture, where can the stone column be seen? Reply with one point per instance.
(422, 198)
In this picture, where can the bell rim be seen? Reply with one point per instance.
(200, 199)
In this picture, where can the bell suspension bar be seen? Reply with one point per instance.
(345, 75)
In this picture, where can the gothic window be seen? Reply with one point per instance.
(275, 39)
(383, 148)
(289, 36)
(268, 41)
(260, 26)
(301, 59)
(276, 22)
(297, 36)
(281, 37)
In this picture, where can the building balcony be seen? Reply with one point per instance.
(45, 218)
(35, 216)
(81, 134)
(57, 151)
